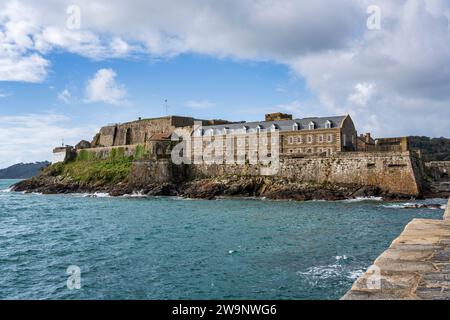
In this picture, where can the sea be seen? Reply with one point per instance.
(93, 246)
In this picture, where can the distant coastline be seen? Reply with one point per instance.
(23, 170)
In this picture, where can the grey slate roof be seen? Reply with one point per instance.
(284, 125)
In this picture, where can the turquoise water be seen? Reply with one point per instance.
(170, 248)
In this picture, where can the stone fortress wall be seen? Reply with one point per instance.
(398, 171)
(395, 172)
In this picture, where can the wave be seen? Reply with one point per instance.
(334, 270)
(7, 190)
(412, 205)
(359, 199)
(135, 194)
(95, 195)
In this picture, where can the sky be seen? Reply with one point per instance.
(69, 67)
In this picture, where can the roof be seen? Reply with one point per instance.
(161, 136)
(285, 125)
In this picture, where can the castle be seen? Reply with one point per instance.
(314, 149)
(323, 136)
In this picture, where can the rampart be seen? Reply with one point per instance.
(394, 172)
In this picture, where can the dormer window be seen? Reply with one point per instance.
(225, 131)
(198, 132)
(259, 128)
(312, 125)
(244, 129)
(209, 132)
(295, 126)
(328, 124)
(274, 127)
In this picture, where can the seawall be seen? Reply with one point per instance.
(415, 266)
(394, 172)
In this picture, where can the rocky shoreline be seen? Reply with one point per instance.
(211, 188)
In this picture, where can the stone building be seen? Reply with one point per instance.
(140, 131)
(364, 142)
(298, 137)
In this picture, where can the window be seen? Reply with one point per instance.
(259, 128)
(328, 124)
(312, 125)
(330, 138)
(310, 139)
(295, 126)
(321, 138)
(244, 129)
(225, 131)
(291, 140)
(344, 140)
(274, 127)
(198, 133)
(209, 132)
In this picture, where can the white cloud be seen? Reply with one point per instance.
(104, 88)
(362, 93)
(4, 94)
(31, 68)
(397, 75)
(32, 137)
(65, 96)
(292, 107)
(200, 104)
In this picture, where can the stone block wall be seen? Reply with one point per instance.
(439, 170)
(395, 172)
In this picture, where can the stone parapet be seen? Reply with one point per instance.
(415, 266)
(447, 211)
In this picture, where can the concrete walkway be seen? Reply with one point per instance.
(416, 265)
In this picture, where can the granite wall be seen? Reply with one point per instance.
(395, 172)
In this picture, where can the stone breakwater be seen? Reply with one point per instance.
(416, 265)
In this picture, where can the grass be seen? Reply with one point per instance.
(88, 170)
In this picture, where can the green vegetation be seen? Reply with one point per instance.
(140, 152)
(87, 169)
(433, 149)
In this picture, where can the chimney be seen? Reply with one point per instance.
(277, 116)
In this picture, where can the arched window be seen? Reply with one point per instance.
(312, 125)
(328, 124)
(295, 126)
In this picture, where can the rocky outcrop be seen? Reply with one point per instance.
(210, 188)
